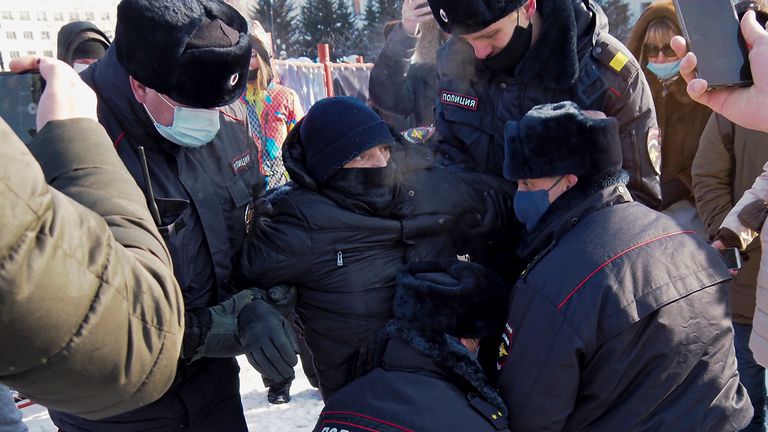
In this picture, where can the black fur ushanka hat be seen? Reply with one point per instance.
(470, 16)
(194, 51)
(458, 298)
(557, 139)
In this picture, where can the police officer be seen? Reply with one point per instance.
(430, 380)
(507, 56)
(164, 89)
(621, 319)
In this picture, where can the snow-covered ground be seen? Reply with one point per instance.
(298, 415)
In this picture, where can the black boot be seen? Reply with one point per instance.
(279, 393)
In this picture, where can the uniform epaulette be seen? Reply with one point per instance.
(612, 57)
(489, 412)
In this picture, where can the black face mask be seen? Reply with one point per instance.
(252, 74)
(508, 58)
(373, 187)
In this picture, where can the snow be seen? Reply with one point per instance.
(300, 414)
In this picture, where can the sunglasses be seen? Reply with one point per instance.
(652, 50)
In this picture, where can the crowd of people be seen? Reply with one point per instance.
(541, 255)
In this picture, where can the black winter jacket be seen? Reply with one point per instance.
(620, 322)
(400, 87)
(574, 59)
(344, 259)
(202, 194)
(424, 385)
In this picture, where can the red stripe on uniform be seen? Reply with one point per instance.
(578, 287)
(614, 91)
(119, 138)
(365, 417)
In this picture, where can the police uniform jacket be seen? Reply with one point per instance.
(344, 257)
(202, 195)
(620, 322)
(573, 59)
(416, 390)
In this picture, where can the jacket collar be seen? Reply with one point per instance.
(415, 348)
(567, 211)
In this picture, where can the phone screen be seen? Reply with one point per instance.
(19, 95)
(712, 30)
(731, 258)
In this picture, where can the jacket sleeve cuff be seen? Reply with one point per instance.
(728, 238)
(400, 44)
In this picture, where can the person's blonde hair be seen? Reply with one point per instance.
(265, 74)
(660, 28)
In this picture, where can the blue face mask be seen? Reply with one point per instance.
(531, 205)
(191, 127)
(664, 71)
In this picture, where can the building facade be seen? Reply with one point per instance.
(29, 27)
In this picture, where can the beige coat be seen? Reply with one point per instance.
(758, 342)
(719, 181)
(91, 317)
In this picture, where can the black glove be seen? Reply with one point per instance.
(283, 298)
(499, 213)
(245, 324)
(272, 345)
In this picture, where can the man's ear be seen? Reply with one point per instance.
(530, 9)
(139, 90)
(570, 180)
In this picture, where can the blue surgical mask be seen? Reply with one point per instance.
(664, 71)
(191, 127)
(531, 205)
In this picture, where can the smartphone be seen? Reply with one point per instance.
(731, 257)
(713, 34)
(19, 96)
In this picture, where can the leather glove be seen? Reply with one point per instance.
(246, 324)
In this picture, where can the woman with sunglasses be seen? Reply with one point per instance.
(680, 119)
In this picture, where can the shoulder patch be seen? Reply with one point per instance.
(459, 100)
(618, 61)
(505, 346)
(614, 59)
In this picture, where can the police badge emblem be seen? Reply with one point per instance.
(419, 134)
(654, 149)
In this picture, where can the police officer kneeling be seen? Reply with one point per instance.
(621, 320)
(430, 379)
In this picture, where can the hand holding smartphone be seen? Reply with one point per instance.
(19, 95)
(712, 31)
(731, 257)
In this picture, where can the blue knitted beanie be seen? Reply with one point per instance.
(336, 130)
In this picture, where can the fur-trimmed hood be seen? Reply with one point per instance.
(449, 357)
(675, 86)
